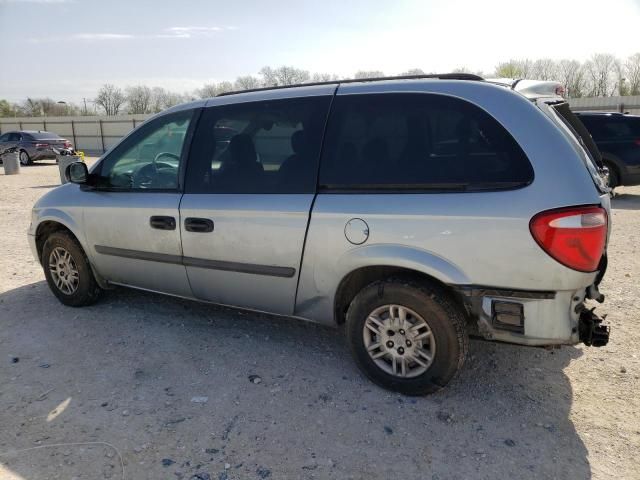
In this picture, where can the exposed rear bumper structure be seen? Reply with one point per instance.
(536, 318)
(592, 332)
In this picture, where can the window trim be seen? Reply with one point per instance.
(423, 188)
(135, 134)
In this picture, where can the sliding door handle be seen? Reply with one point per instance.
(198, 225)
(162, 223)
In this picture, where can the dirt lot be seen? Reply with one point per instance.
(142, 386)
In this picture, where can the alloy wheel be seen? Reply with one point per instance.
(64, 271)
(399, 341)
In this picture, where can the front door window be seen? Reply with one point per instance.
(149, 159)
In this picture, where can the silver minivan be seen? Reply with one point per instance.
(416, 211)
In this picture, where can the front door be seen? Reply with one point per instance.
(131, 219)
(250, 185)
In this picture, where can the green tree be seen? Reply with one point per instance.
(7, 109)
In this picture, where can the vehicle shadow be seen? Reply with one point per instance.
(626, 201)
(182, 388)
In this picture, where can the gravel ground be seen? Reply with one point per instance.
(145, 386)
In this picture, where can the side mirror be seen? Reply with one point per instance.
(77, 172)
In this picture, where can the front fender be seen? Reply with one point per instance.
(67, 220)
(54, 215)
(61, 217)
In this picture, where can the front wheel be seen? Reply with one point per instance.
(68, 271)
(407, 336)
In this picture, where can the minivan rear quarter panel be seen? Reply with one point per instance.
(483, 236)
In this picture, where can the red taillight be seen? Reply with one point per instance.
(42, 145)
(67, 144)
(574, 236)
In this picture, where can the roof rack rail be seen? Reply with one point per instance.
(441, 76)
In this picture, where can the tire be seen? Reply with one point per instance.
(74, 285)
(423, 302)
(614, 176)
(25, 159)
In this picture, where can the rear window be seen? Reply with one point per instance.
(418, 142)
(567, 120)
(579, 130)
(43, 135)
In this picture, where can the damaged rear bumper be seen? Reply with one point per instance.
(535, 318)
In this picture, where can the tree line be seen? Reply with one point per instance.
(602, 75)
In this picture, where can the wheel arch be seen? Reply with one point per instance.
(49, 225)
(417, 265)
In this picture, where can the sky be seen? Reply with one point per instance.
(66, 49)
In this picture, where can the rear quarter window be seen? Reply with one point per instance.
(398, 141)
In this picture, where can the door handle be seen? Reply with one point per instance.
(198, 225)
(162, 223)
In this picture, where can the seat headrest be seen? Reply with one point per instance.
(298, 141)
(242, 149)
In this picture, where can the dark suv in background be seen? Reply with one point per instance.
(33, 145)
(617, 136)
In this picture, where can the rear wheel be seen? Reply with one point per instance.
(614, 176)
(68, 271)
(24, 158)
(407, 336)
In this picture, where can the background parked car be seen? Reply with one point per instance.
(617, 135)
(33, 145)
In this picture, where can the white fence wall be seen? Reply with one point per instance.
(630, 104)
(90, 134)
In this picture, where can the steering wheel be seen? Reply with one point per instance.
(156, 174)
(154, 162)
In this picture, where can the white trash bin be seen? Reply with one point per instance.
(63, 162)
(11, 163)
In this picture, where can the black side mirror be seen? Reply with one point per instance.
(77, 172)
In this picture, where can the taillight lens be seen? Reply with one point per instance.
(67, 144)
(574, 236)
